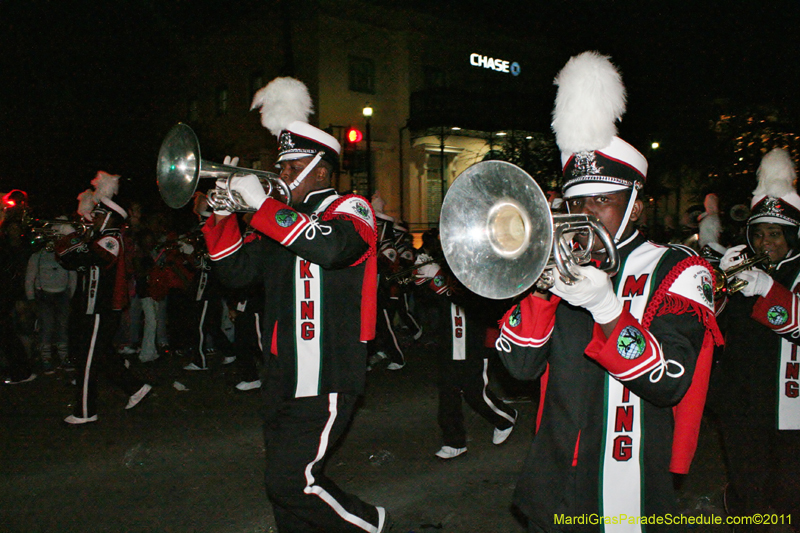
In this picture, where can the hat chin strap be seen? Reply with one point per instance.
(624, 223)
(314, 162)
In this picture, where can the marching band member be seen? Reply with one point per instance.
(98, 256)
(755, 387)
(318, 269)
(623, 360)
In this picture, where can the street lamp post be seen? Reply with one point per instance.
(367, 112)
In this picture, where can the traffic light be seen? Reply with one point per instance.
(352, 137)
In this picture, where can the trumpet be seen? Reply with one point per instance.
(406, 275)
(499, 236)
(725, 281)
(180, 169)
(48, 231)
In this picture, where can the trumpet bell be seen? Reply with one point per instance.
(496, 229)
(179, 163)
(180, 168)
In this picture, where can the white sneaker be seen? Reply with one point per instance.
(138, 396)
(395, 366)
(229, 359)
(448, 452)
(249, 385)
(192, 366)
(74, 420)
(500, 435)
(128, 350)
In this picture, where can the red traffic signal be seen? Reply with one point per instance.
(354, 135)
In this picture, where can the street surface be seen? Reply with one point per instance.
(191, 460)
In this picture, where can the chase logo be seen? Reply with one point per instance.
(516, 317)
(631, 343)
(285, 217)
(777, 315)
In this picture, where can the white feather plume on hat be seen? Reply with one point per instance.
(589, 102)
(776, 174)
(86, 203)
(105, 185)
(283, 101)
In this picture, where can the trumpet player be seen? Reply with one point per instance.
(99, 257)
(316, 260)
(755, 388)
(623, 360)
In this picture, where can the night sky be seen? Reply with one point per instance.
(81, 82)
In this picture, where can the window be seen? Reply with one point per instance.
(362, 75)
(222, 100)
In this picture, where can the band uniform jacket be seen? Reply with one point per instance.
(605, 443)
(319, 272)
(100, 262)
(759, 372)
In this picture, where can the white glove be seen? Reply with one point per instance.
(186, 248)
(232, 161)
(594, 292)
(250, 188)
(428, 271)
(422, 258)
(758, 283)
(732, 257)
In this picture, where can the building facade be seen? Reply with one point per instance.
(444, 91)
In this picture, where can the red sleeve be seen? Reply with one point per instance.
(778, 310)
(223, 238)
(530, 322)
(279, 221)
(629, 353)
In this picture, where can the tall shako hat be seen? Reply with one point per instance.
(589, 102)
(285, 107)
(775, 200)
(105, 187)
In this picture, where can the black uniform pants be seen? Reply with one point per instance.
(247, 342)
(468, 378)
(97, 354)
(298, 435)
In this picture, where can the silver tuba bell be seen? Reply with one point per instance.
(180, 169)
(498, 234)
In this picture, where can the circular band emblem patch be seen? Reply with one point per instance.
(362, 210)
(438, 281)
(285, 217)
(777, 315)
(515, 318)
(631, 343)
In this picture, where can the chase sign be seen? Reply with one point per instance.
(498, 65)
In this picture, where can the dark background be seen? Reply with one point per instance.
(84, 84)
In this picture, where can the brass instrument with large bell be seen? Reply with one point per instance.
(180, 169)
(498, 234)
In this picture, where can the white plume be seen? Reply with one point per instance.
(590, 99)
(105, 185)
(776, 174)
(283, 101)
(86, 204)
